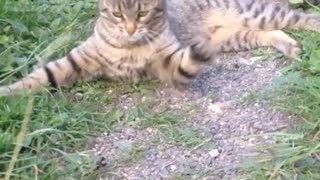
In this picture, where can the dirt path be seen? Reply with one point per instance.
(222, 110)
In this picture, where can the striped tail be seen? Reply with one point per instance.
(54, 73)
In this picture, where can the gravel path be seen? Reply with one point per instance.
(222, 115)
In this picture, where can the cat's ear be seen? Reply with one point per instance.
(104, 4)
(101, 4)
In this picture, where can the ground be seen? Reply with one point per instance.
(229, 123)
(227, 118)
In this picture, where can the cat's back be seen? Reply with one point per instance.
(184, 17)
(193, 7)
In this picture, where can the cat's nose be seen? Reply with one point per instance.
(130, 28)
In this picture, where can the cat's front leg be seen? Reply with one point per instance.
(180, 65)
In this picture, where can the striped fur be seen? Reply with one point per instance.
(171, 40)
(237, 25)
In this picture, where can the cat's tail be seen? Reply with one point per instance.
(80, 64)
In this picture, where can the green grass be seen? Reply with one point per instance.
(296, 155)
(166, 123)
(60, 125)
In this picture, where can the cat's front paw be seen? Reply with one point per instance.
(202, 49)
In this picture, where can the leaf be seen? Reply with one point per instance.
(21, 61)
(4, 39)
(295, 1)
(314, 61)
(21, 28)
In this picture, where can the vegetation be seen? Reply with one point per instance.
(52, 146)
(296, 155)
(58, 127)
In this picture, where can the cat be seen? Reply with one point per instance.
(169, 40)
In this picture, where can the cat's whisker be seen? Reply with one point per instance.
(153, 32)
(146, 37)
(150, 37)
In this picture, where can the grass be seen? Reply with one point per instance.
(166, 123)
(58, 128)
(296, 155)
(61, 124)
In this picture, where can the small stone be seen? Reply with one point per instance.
(173, 168)
(151, 158)
(164, 173)
(123, 145)
(216, 108)
(214, 153)
(256, 58)
(251, 141)
(245, 61)
(79, 96)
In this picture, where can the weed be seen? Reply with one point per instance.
(191, 174)
(165, 122)
(38, 31)
(296, 154)
(184, 136)
(35, 32)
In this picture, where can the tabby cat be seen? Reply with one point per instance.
(171, 40)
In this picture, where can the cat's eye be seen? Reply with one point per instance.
(143, 14)
(117, 14)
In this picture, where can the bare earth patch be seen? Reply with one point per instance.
(221, 109)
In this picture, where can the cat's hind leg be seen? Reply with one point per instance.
(250, 39)
(81, 64)
(274, 16)
(260, 15)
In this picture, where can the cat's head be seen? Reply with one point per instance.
(134, 20)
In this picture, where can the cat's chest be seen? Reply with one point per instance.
(135, 58)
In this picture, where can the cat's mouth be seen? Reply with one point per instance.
(136, 37)
(133, 38)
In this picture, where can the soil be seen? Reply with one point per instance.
(222, 109)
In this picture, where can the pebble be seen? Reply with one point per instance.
(216, 108)
(151, 158)
(79, 96)
(164, 173)
(214, 153)
(173, 168)
(246, 61)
